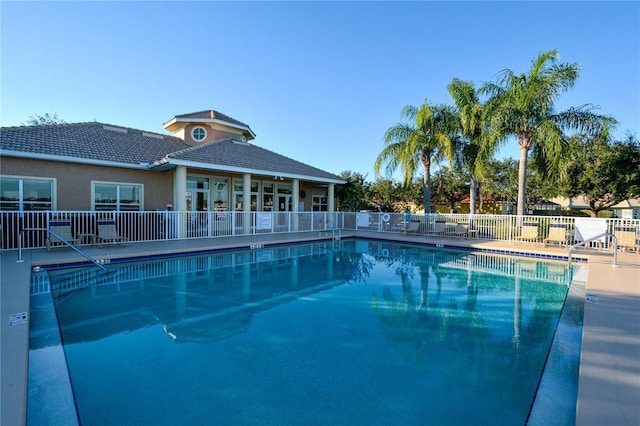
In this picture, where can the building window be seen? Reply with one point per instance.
(319, 203)
(238, 195)
(267, 196)
(198, 133)
(25, 194)
(117, 196)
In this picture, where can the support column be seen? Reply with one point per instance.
(331, 207)
(180, 200)
(331, 198)
(246, 203)
(295, 204)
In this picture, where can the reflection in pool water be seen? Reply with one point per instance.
(351, 333)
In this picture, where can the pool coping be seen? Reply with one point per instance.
(15, 279)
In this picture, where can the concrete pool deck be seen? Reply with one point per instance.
(609, 383)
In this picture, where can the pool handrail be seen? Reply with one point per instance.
(61, 239)
(582, 243)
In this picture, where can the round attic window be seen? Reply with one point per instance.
(198, 133)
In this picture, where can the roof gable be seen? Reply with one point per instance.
(209, 116)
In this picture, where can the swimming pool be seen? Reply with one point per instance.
(357, 332)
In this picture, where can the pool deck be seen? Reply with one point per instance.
(609, 384)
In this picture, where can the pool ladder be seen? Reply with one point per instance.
(20, 259)
(587, 241)
(325, 228)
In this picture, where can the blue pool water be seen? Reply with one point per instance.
(362, 332)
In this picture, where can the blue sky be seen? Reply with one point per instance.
(319, 82)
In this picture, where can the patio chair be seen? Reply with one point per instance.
(107, 232)
(461, 230)
(529, 232)
(413, 227)
(627, 238)
(439, 228)
(557, 234)
(63, 234)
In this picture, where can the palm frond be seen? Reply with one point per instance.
(581, 119)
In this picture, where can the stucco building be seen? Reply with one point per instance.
(206, 163)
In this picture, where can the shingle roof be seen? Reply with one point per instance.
(91, 141)
(212, 114)
(232, 153)
(116, 144)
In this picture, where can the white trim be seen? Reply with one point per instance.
(75, 160)
(234, 169)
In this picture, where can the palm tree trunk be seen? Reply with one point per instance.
(472, 194)
(522, 180)
(426, 189)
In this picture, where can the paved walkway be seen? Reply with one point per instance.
(609, 386)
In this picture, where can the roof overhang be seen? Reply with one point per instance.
(170, 163)
(166, 164)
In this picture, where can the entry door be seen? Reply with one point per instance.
(197, 206)
(284, 205)
(201, 198)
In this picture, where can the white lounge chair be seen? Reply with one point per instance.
(412, 227)
(557, 234)
(627, 237)
(107, 232)
(529, 232)
(60, 234)
(439, 228)
(461, 230)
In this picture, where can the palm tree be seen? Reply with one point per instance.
(470, 112)
(427, 136)
(523, 106)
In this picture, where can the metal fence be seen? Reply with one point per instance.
(170, 225)
(155, 225)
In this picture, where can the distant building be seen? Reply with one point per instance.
(575, 203)
(627, 209)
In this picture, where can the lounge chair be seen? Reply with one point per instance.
(107, 232)
(439, 228)
(60, 234)
(461, 230)
(412, 227)
(627, 238)
(529, 232)
(557, 234)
